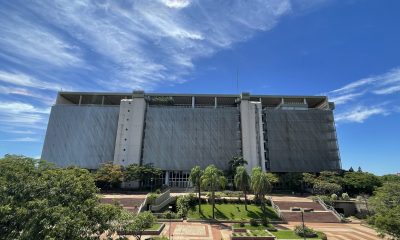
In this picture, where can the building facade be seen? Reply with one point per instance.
(176, 132)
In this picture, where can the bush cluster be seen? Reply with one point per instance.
(304, 232)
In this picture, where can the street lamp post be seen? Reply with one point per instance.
(170, 216)
(302, 220)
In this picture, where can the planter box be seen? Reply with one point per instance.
(145, 232)
(239, 230)
(252, 238)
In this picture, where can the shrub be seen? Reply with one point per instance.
(241, 224)
(265, 221)
(253, 222)
(306, 232)
(334, 197)
(345, 196)
(151, 197)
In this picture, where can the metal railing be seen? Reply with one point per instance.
(331, 209)
(276, 208)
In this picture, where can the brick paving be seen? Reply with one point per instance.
(129, 202)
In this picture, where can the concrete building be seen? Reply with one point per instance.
(175, 132)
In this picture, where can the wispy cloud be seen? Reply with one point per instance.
(20, 79)
(366, 97)
(23, 139)
(384, 84)
(360, 113)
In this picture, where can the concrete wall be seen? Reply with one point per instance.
(128, 143)
(81, 135)
(178, 138)
(252, 134)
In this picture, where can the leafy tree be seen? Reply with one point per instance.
(195, 178)
(330, 177)
(390, 178)
(386, 205)
(351, 169)
(360, 182)
(260, 185)
(212, 179)
(235, 162)
(242, 182)
(326, 188)
(129, 223)
(109, 175)
(309, 178)
(41, 201)
(292, 181)
(141, 173)
(359, 169)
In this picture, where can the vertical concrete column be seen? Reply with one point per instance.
(215, 102)
(166, 178)
(252, 134)
(193, 101)
(128, 144)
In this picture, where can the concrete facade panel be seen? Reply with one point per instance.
(81, 135)
(179, 138)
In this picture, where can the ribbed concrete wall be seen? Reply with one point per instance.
(179, 138)
(301, 141)
(81, 135)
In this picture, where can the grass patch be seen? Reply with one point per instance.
(155, 227)
(289, 234)
(249, 227)
(252, 233)
(231, 212)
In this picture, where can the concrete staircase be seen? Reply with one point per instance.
(317, 212)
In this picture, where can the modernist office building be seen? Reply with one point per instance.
(175, 132)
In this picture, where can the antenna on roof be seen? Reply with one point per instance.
(237, 80)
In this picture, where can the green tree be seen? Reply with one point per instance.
(360, 182)
(41, 201)
(326, 188)
(390, 178)
(129, 223)
(235, 162)
(260, 185)
(351, 169)
(195, 178)
(109, 175)
(142, 173)
(242, 182)
(386, 205)
(212, 179)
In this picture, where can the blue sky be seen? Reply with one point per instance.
(347, 49)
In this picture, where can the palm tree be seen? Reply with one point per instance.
(195, 178)
(235, 162)
(212, 179)
(260, 185)
(242, 182)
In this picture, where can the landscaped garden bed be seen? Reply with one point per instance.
(290, 234)
(232, 211)
(238, 227)
(252, 235)
(156, 229)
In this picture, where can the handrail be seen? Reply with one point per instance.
(162, 197)
(162, 204)
(276, 208)
(143, 204)
(330, 208)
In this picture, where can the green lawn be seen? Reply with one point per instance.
(249, 227)
(289, 234)
(231, 212)
(252, 233)
(156, 226)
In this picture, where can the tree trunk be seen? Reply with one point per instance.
(199, 196)
(245, 200)
(213, 203)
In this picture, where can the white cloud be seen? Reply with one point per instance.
(20, 79)
(23, 139)
(143, 44)
(383, 84)
(360, 113)
(22, 115)
(176, 3)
